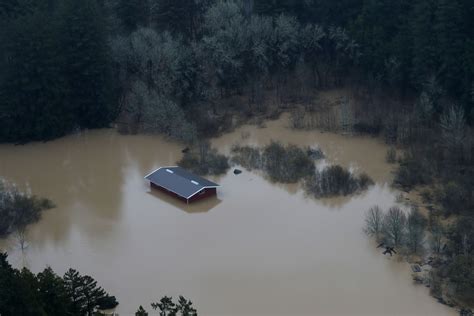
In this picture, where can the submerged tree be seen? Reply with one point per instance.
(374, 222)
(18, 210)
(394, 226)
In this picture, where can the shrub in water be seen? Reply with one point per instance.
(204, 160)
(335, 180)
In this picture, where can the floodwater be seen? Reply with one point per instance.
(258, 249)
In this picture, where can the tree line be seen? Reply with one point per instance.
(25, 293)
(48, 294)
(72, 65)
(450, 247)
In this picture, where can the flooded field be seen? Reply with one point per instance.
(258, 249)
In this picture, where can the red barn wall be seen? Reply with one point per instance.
(204, 193)
(154, 186)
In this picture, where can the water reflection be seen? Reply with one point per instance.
(201, 206)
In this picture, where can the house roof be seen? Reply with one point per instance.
(179, 181)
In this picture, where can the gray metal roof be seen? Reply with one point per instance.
(179, 181)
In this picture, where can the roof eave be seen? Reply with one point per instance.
(146, 177)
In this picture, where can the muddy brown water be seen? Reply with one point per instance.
(258, 249)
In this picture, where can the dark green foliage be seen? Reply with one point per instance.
(132, 13)
(52, 290)
(180, 17)
(31, 96)
(141, 312)
(204, 160)
(335, 180)
(47, 294)
(86, 62)
(424, 41)
(18, 209)
(56, 74)
(461, 273)
(449, 28)
(107, 302)
(168, 308)
(17, 293)
(83, 292)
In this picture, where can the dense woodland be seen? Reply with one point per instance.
(186, 68)
(70, 65)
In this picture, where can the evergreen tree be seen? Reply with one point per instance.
(178, 16)
(32, 91)
(141, 312)
(132, 13)
(17, 291)
(83, 293)
(85, 63)
(52, 292)
(425, 56)
(449, 27)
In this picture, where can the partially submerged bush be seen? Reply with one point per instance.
(204, 160)
(335, 180)
(315, 153)
(248, 157)
(18, 209)
(290, 164)
(286, 164)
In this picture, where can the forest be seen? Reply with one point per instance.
(189, 69)
(72, 65)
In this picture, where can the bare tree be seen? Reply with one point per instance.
(453, 126)
(21, 237)
(346, 116)
(374, 222)
(437, 233)
(394, 225)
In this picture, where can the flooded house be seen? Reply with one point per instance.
(182, 184)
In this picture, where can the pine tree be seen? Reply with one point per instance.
(132, 13)
(86, 63)
(83, 293)
(449, 27)
(425, 55)
(177, 16)
(32, 91)
(141, 312)
(52, 291)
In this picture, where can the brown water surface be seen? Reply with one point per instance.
(258, 249)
